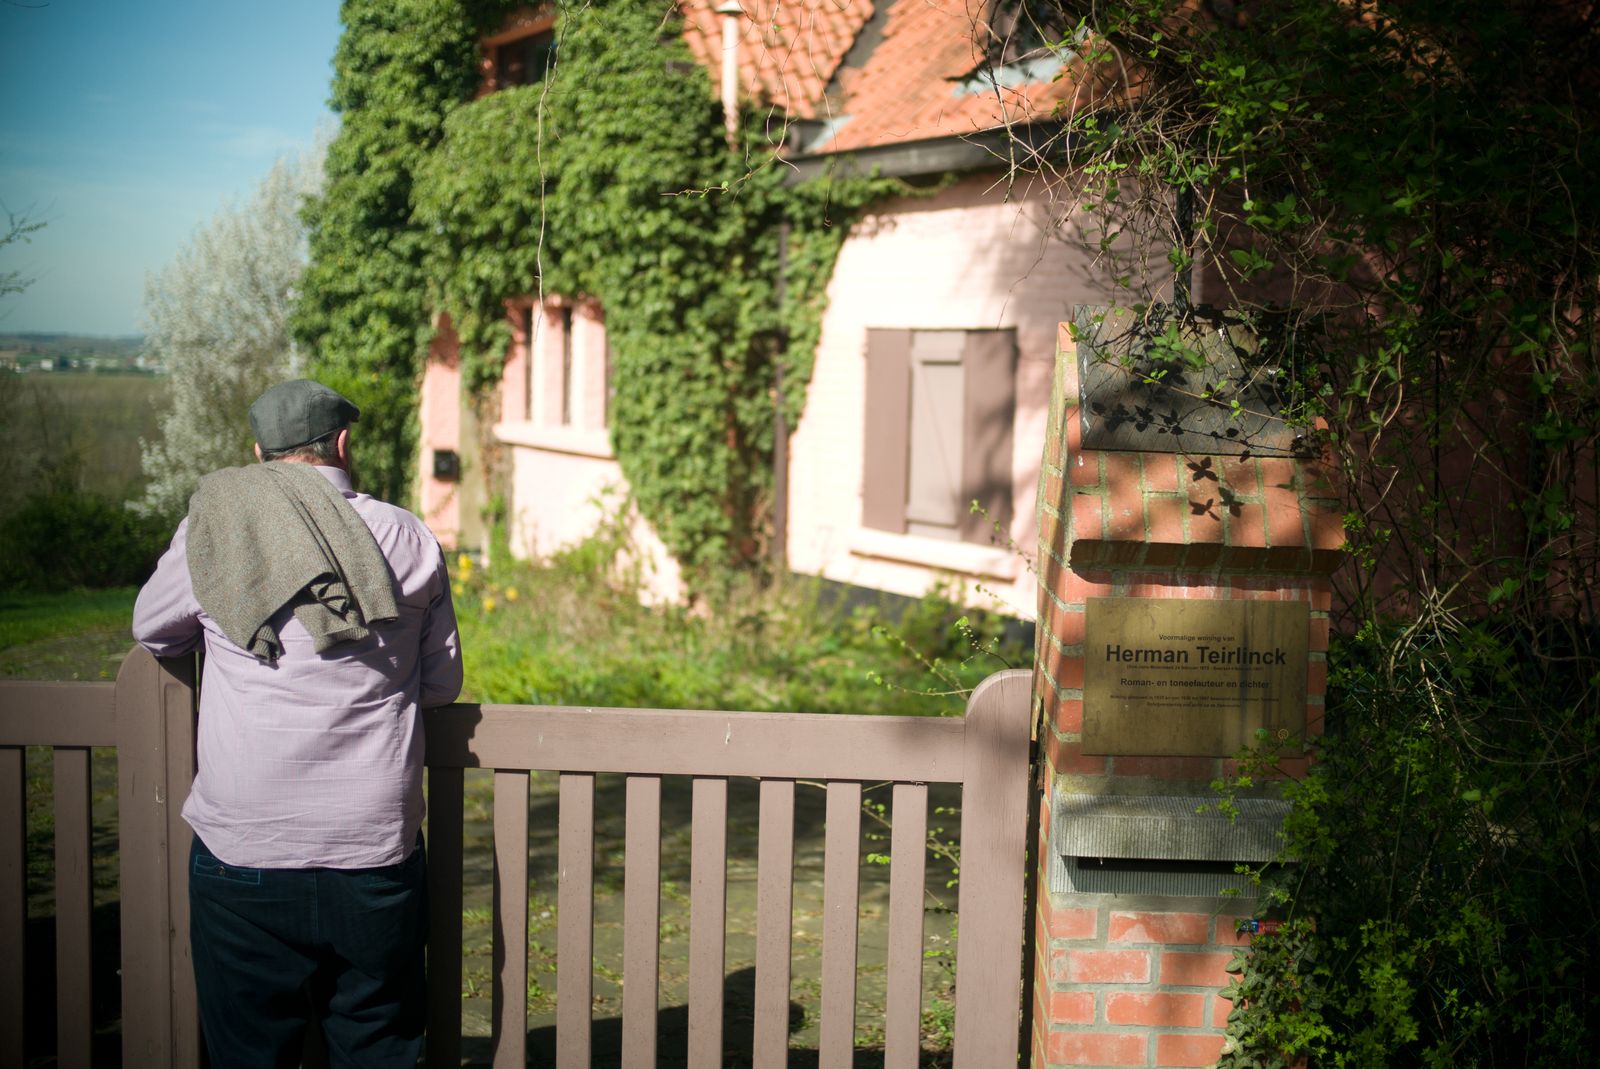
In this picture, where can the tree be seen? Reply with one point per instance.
(218, 319)
(1398, 195)
(17, 228)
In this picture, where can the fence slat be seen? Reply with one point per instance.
(146, 809)
(708, 918)
(902, 1008)
(575, 922)
(641, 921)
(510, 919)
(774, 909)
(994, 822)
(178, 698)
(74, 904)
(13, 904)
(444, 915)
(841, 885)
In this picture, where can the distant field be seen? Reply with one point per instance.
(99, 418)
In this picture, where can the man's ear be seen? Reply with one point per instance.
(342, 446)
(258, 450)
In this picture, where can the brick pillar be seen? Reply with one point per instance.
(1128, 964)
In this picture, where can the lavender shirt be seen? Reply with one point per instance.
(315, 761)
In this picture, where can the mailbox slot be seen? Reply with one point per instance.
(1178, 846)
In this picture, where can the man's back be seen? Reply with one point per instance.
(315, 759)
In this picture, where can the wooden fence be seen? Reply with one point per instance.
(149, 716)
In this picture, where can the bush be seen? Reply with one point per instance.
(1445, 909)
(61, 538)
(572, 631)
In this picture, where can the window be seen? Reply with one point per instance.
(568, 371)
(524, 61)
(522, 52)
(939, 411)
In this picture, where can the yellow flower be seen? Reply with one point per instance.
(511, 593)
(464, 564)
(488, 605)
(457, 589)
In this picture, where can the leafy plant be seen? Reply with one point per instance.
(1376, 190)
(363, 314)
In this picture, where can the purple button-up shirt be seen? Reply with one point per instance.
(315, 761)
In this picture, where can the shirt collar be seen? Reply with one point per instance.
(337, 476)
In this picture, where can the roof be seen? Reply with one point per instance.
(789, 50)
(919, 69)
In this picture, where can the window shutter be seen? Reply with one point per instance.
(990, 364)
(887, 430)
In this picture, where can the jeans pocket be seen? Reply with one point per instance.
(211, 868)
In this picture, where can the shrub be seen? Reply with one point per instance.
(63, 538)
(1445, 909)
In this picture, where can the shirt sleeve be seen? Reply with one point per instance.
(166, 616)
(441, 644)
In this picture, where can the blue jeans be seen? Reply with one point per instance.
(276, 949)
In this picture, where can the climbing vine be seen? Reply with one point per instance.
(363, 311)
(610, 179)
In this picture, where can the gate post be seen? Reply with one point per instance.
(155, 704)
(1183, 616)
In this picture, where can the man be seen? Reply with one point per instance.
(326, 621)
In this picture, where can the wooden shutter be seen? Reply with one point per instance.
(887, 430)
(990, 364)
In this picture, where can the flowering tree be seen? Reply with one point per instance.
(217, 317)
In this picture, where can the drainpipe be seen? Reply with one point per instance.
(731, 13)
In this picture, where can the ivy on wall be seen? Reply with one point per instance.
(611, 179)
(363, 310)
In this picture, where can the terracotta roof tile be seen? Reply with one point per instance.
(922, 80)
(788, 49)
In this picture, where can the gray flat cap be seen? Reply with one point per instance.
(291, 414)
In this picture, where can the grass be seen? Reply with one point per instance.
(571, 633)
(75, 635)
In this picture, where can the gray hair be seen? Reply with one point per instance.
(324, 450)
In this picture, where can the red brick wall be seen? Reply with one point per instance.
(1115, 986)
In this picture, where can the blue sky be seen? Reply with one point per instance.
(127, 124)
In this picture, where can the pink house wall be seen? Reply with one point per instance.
(439, 412)
(979, 255)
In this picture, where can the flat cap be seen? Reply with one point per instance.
(291, 414)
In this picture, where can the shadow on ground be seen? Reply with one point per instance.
(672, 1033)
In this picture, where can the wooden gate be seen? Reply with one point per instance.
(148, 715)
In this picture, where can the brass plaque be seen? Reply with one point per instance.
(1177, 677)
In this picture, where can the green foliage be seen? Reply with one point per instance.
(363, 310)
(61, 538)
(611, 180)
(1441, 910)
(1400, 195)
(1383, 188)
(573, 632)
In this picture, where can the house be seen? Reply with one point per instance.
(931, 377)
